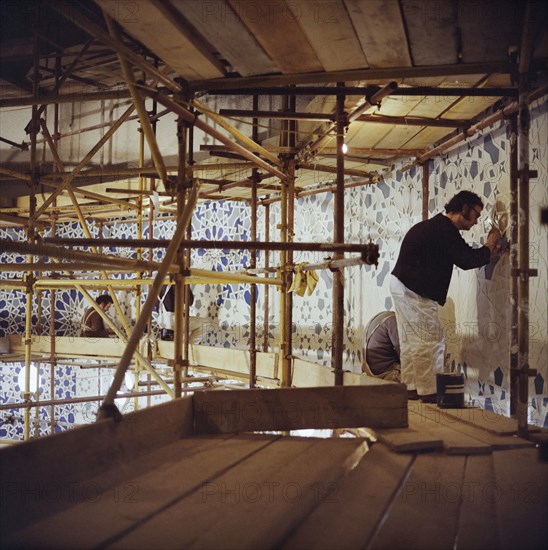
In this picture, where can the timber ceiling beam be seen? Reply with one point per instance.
(64, 98)
(369, 91)
(413, 121)
(368, 151)
(371, 75)
(333, 169)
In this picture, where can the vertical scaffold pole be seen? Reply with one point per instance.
(338, 237)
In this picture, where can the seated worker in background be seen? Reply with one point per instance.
(381, 347)
(93, 325)
(166, 316)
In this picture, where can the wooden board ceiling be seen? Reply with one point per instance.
(213, 46)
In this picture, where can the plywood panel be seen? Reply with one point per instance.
(488, 30)
(398, 105)
(299, 408)
(366, 134)
(426, 137)
(149, 25)
(432, 31)
(398, 137)
(279, 33)
(432, 106)
(469, 107)
(328, 28)
(381, 32)
(219, 24)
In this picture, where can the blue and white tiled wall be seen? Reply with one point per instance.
(476, 316)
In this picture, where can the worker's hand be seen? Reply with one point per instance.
(492, 242)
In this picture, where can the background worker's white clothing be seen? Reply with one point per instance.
(197, 325)
(422, 344)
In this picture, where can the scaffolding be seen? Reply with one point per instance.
(270, 174)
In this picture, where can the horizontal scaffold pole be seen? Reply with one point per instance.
(221, 245)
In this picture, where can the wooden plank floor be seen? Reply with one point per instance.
(442, 483)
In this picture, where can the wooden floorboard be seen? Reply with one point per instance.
(456, 481)
(454, 442)
(497, 441)
(477, 526)
(487, 420)
(109, 510)
(40, 475)
(425, 511)
(431, 428)
(349, 514)
(405, 440)
(255, 503)
(520, 492)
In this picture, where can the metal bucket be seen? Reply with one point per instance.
(450, 390)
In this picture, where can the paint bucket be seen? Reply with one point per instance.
(450, 390)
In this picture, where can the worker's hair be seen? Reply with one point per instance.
(462, 199)
(104, 299)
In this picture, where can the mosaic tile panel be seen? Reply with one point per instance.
(476, 317)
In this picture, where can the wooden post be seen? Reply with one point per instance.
(338, 237)
(31, 230)
(152, 183)
(288, 352)
(52, 357)
(187, 257)
(181, 320)
(139, 250)
(253, 261)
(523, 302)
(266, 266)
(514, 264)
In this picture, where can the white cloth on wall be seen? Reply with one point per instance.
(422, 345)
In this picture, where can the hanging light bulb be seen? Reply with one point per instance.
(344, 148)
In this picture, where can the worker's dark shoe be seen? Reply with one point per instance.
(167, 334)
(412, 395)
(428, 398)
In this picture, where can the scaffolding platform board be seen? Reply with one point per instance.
(153, 481)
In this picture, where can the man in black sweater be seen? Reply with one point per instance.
(420, 282)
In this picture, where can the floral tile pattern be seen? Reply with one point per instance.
(476, 317)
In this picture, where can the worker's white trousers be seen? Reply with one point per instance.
(422, 345)
(197, 326)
